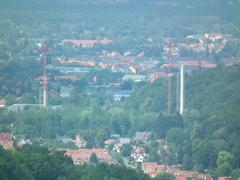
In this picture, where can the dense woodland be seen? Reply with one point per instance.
(34, 162)
(205, 137)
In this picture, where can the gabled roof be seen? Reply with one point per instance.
(153, 169)
(83, 155)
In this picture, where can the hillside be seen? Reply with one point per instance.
(211, 118)
(213, 99)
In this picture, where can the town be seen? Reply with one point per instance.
(127, 70)
(113, 89)
(93, 58)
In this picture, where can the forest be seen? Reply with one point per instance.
(34, 162)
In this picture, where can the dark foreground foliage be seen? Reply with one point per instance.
(34, 162)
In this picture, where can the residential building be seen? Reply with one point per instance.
(142, 136)
(6, 140)
(65, 91)
(23, 142)
(138, 153)
(135, 78)
(82, 156)
(115, 136)
(152, 77)
(224, 178)
(109, 142)
(80, 142)
(119, 143)
(2, 103)
(87, 43)
(66, 78)
(67, 70)
(153, 169)
(21, 107)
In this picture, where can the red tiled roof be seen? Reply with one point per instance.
(109, 141)
(208, 65)
(6, 140)
(83, 155)
(223, 178)
(149, 163)
(2, 102)
(6, 137)
(157, 75)
(153, 169)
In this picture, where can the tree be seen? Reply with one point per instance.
(10, 99)
(225, 163)
(93, 158)
(127, 149)
(127, 85)
(165, 176)
(27, 98)
(204, 157)
(116, 127)
(175, 135)
(187, 161)
(236, 173)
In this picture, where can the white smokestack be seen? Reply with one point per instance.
(44, 98)
(181, 89)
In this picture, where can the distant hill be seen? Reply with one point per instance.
(188, 3)
(206, 91)
(226, 9)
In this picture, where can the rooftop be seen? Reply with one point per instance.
(81, 156)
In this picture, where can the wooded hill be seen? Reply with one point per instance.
(211, 121)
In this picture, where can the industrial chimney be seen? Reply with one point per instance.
(181, 89)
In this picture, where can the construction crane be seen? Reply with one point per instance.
(43, 78)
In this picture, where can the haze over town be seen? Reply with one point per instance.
(120, 89)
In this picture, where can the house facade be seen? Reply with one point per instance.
(6, 140)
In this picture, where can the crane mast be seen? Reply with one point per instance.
(44, 78)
